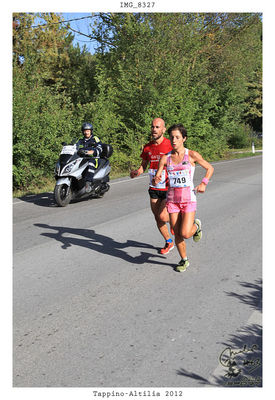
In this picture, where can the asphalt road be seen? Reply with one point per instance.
(95, 305)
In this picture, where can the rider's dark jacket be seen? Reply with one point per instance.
(93, 143)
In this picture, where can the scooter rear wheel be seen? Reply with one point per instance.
(62, 195)
(104, 188)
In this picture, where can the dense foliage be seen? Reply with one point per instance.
(202, 70)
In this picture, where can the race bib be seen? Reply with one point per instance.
(179, 178)
(68, 150)
(161, 184)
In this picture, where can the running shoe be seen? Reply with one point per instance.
(172, 231)
(168, 247)
(198, 234)
(183, 264)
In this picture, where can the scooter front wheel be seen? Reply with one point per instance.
(62, 194)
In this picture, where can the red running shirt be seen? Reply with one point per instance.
(153, 152)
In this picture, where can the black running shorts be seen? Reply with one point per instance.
(157, 194)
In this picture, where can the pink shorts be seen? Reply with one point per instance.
(190, 206)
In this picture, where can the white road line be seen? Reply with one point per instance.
(145, 175)
(19, 202)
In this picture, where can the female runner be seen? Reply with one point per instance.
(181, 196)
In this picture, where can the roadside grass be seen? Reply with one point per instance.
(234, 154)
(47, 184)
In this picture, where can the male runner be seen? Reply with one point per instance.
(151, 154)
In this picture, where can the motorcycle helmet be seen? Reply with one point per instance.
(86, 125)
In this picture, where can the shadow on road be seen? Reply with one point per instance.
(192, 375)
(42, 200)
(240, 358)
(47, 199)
(253, 298)
(89, 239)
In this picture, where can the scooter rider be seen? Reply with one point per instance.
(91, 146)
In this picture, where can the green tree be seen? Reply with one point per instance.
(42, 111)
(201, 69)
(253, 103)
(41, 121)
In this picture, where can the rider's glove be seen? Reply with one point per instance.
(82, 152)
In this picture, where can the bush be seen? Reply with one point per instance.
(241, 138)
(41, 121)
